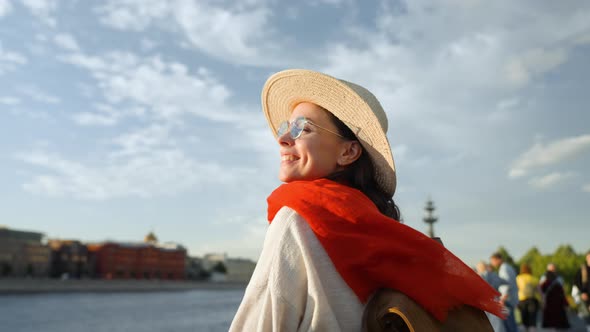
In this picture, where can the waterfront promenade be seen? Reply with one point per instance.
(31, 286)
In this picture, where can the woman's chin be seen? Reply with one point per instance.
(290, 177)
(287, 179)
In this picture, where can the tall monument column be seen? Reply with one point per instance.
(429, 217)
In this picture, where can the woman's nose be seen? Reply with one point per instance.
(285, 139)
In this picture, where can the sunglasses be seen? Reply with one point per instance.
(296, 127)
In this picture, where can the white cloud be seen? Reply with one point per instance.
(553, 153)
(132, 14)
(95, 119)
(152, 159)
(429, 89)
(227, 34)
(521, 69)
(144, 140)
(550, 180)
(425, 51)
(586, 188)
(10, 101)
(46, 185)
(10, 60)
(152, 172)
(5, 7)
(43, 9)
(149, 160)
(167, 89)
(66, 41)
(41, 96)
(236, 33)
(106, 115)
(94, 64)
(243, 33)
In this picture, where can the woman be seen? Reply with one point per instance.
(554, 303)
(528, 304)
(333, 238)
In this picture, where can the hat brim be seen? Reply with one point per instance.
(352, 104)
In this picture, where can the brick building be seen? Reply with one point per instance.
(148, 260)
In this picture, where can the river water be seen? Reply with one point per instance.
(195, 310)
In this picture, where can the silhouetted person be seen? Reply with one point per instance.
(553, 268)
(554, 303)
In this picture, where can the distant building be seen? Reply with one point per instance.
(148, 260)
(194, 269)
(151, 238)
(232, 269)
(210, 260)
(23, 253)
(69, 258)
(214, 266)
(239, 269)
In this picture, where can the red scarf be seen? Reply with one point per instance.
(372, 251)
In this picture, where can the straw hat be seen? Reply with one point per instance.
(352, 104)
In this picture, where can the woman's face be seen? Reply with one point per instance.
(315, 154)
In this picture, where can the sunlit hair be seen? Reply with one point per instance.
(360, 175)
(525, 269)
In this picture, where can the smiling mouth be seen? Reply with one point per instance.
(289, 157)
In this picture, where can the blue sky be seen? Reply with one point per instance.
(122, 117)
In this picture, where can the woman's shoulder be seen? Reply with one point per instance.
(286, 216)
(288, 220)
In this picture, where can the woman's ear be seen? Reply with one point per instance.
(351, 151)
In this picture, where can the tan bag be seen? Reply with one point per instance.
(390, 310)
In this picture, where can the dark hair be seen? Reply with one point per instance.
(525, 268)
(497, 255)
(360, 175)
